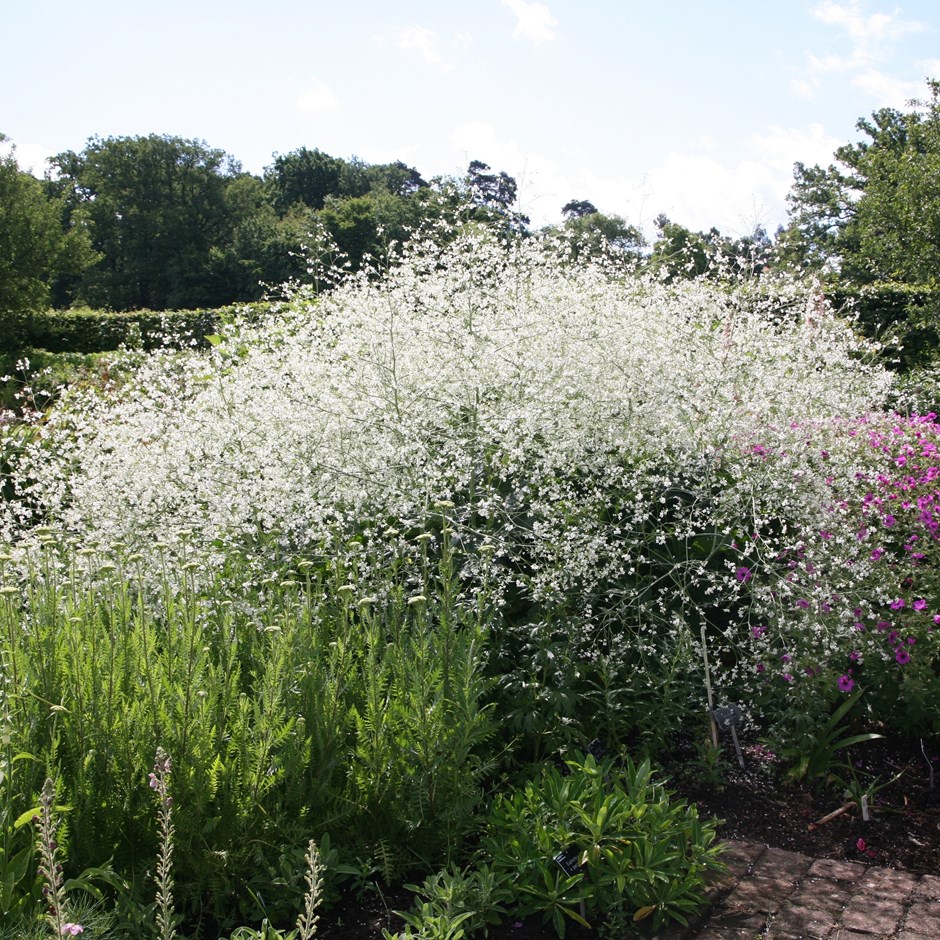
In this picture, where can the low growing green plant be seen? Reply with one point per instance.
(813, 753)
(471, 899)
(598, 840)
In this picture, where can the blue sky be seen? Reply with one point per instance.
(694, 108)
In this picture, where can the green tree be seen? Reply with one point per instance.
(874, 215)
(309, 176)
(36, 247)
(593, 234)
(680, 253)
(157, 208)
(494, 194)
(577, 209)
(263, 250)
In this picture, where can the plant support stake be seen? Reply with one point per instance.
(708, 690)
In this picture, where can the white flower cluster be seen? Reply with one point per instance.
(576, 417)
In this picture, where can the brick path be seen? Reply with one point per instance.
(770, 893)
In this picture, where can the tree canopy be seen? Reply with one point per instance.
(874, 214)
(35, 248)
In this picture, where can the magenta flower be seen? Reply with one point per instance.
(889, 520)
(902, 656)
(853, 656)
(920, 604)
(877, 553)
(802, 603)
(897, 604)
(761, 667)
(846, 683)
(743, 574)
(757, 632)
(787, 677)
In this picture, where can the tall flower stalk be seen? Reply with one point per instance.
(49, 868)
(307, 921)
(159, 781)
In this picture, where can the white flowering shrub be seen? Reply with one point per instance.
(627, 464)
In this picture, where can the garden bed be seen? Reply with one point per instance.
(903, 832)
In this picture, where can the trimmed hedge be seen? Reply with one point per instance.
(88, 331)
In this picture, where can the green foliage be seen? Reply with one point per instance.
(84, 330)
(156, 207)
(679, 253)
(601, 837)
(875, 215)
(298, 709)
(813, 746)
(592, 234)
(473, 899)
(905, 318)
(36, 248)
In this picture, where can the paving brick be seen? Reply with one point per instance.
(759, 895)
(782, 864)
(923, 919)
(739, 857)
(888, 881)
(843, 933)
(803, 923)
(825, 895)
(725, 925)
(873, 914)
(837, 870)
(928, 887)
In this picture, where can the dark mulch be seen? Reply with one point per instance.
(755, 806)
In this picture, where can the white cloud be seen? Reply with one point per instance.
(31, 158)
(534, 21)
(866, 31)
(426, 43)
(779, 147)
(317, 98)
(887, 91)
(699, 187)
(872, 39)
